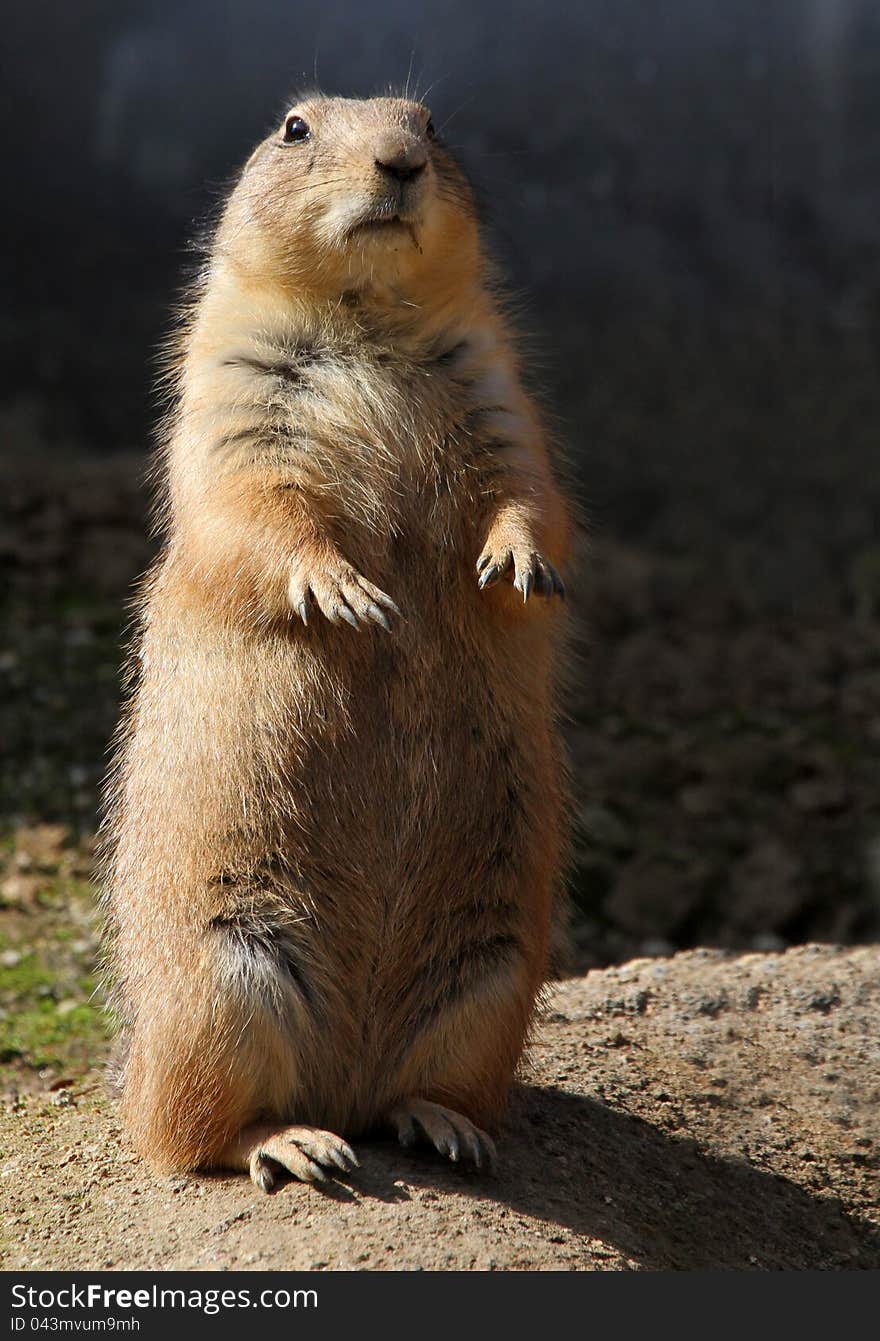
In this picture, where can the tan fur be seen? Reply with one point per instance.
(332, 852)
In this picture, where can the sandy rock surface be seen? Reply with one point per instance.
(702, 1111)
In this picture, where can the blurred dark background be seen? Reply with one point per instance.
(686, 199)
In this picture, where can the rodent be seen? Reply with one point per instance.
(335, 820)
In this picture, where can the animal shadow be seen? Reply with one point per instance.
(657, 1198)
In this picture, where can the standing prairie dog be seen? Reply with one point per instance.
(335, 817)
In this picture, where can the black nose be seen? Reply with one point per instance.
(401, 160)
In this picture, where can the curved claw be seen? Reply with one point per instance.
(448, 1145)
(406, 1134)
(309, 1171)
(540, 577)
(473, 1148)
(308, 1153)
(340, 593)
(553, 583)
(532, 573)
(261, 1172)
(450, 1133)
(378, 616)
(381, 599)
(526, 585)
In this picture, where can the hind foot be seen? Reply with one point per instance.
(449, 1132)
(306, 1152)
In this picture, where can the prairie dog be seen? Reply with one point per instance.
(335, 818)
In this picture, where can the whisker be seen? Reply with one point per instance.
(458, 109)
(420, 97)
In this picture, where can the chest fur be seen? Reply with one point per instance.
(385, 444)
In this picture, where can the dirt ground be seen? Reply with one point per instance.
(699, 1111)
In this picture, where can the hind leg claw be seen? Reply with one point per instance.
(450, 1133)
(307, 1153)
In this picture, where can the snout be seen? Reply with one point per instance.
(399, 161)
(391, 187)
(400, 157)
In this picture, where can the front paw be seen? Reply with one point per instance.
(528, 569)
(339, 592)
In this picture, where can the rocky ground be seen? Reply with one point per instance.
(700, 1111)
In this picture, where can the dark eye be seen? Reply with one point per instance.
(429, 130)
(295, 129)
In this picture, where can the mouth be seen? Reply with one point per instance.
(375, 226)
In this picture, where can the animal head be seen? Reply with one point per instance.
(346, 193)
